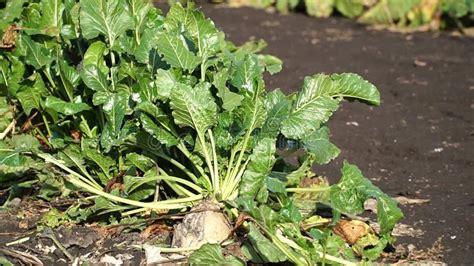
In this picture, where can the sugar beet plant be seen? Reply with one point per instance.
(136, 112)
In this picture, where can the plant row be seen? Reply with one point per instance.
(133, 113)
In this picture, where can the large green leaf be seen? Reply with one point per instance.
(106, 17)
(175, 51)
(36, 54)
(194, 22)
(320, 97)
(193, 107)
(318, 144)
(63, 107)
(349, 195)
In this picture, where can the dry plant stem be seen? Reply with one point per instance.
(10, 127)
(22, 256)
(80, 181)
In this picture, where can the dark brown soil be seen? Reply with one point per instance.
(420, 142)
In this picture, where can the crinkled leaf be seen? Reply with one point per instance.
(193, 107)
(320, 97)
(105, 17)
(164, 82)
(201, 29)
(278, 108)
(158, 132)
(104, 162)
(318, 144)
(349, 195)
(247, 74)
(175, 51)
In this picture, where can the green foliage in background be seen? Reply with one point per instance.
(435, 14)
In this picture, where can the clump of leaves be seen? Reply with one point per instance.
(145, 112)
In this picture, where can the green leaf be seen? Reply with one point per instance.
(63, 107)
(6, 114)
(211, 254)
(230, 100)
(320, 97)
(140, 161)
(247, 74)
(193, 107)
(164, 82)
(114, 110)
(32, 97)
(94, 78)
(201, 30)
(36, 54)
(319, 8)
(278, 108)
(95, 56)
(260, 165)
(105, 163)
(350, 9)
(318, 144)
(271, 63)
(349, 195)
(138, 11)
(161, 134)
(175, 51)
(387, 11)
(51, 16)
(4, 261)
(267, 251)
(105, 17)
(12, 11)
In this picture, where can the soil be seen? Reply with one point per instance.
(419, 143)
